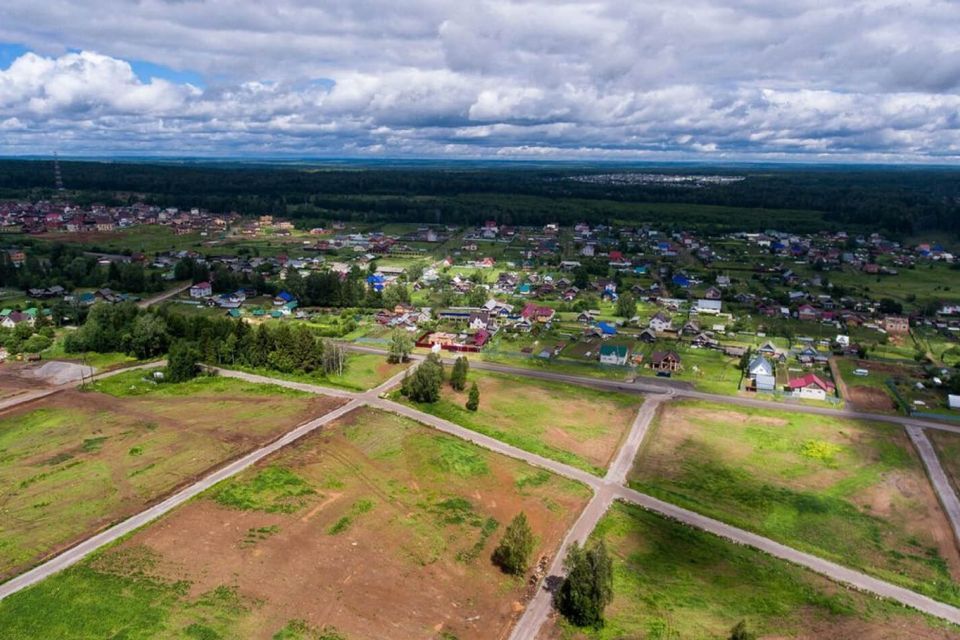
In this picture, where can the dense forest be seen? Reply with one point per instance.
(900, 200)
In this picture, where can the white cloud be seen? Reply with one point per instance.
(614, 78)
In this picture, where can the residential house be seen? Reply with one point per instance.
(666, 361)
(537, 313)
(201, 290)
(712, 293)
(811, 386)
(896, 325)
(660, 322)
(614, 354)
(708, 306)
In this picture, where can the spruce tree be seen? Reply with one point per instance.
(458, 377)
(513, 552)
(473, 400)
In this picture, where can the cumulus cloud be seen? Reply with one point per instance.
(865, 79)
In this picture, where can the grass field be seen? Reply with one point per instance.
(849, 491)
(672, 582)
(575, 425)
(376, 526)
(363, 371)
(78, 461)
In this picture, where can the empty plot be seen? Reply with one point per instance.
(671, 582)
(75, 462)
(376, 526)
(849, 491)
(578, 426)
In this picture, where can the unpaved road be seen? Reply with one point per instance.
(938, 477)
(605, 489)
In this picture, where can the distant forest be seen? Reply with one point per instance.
(898, 200)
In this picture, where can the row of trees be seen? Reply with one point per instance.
(426, 381)
(49, 265)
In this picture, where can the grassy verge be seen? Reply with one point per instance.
(574, 425)
(848, 491)
(671, 581)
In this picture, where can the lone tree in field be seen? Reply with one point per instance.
(458, 377)
(182, 362)
(588, 587)
(473, 400)
(740, 632)
(626, 306)
(513, 553)
(424, 385)
(400, 347)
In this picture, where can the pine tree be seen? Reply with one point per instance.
(513, 552)
(458, 376)
(588, 587)
(473, 400)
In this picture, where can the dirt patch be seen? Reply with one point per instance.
(93, 459)
(394, 572)
(870, 399)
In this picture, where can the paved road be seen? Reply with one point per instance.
(76, 554)
(938, 478)
(860, 581)
(160, 297)
(538, 609)
(683, 390)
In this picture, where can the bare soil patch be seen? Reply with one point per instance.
(397, 571)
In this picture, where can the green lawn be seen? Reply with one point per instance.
(578, 426)
(673, 582)
(849, 491)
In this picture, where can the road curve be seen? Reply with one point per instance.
(938, 478)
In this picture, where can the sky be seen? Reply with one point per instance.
(630, 80)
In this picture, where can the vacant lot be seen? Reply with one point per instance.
(363, 371)
(375, 526)
(850, 491)
(77, 461)
(581, 427)
(673, 582)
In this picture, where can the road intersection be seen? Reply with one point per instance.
(606, 489)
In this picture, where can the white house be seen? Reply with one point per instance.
(659, 323)
(201, 290)
(708, 306)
